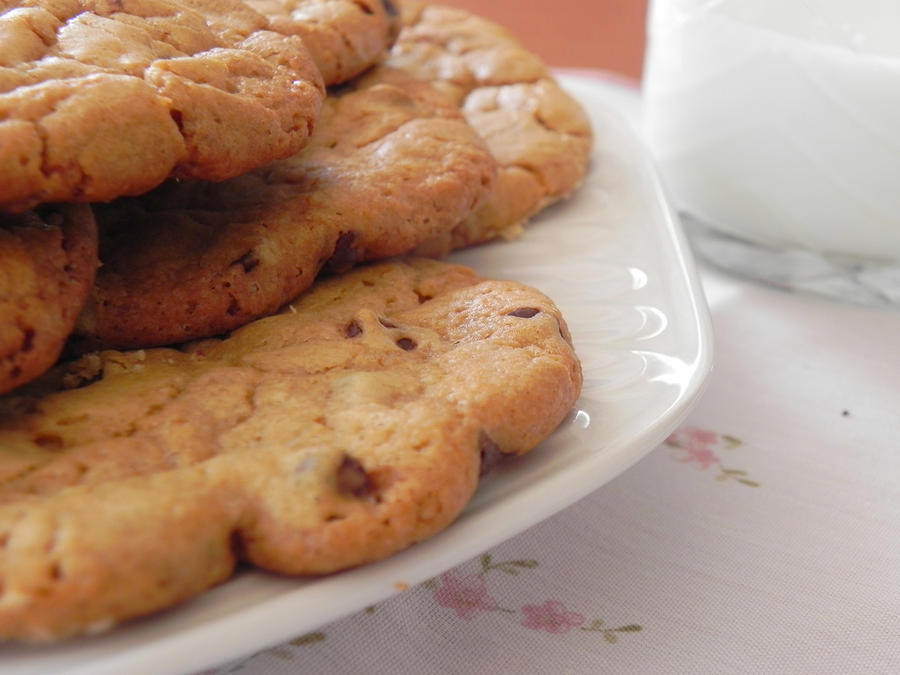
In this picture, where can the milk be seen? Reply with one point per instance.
(779, 121)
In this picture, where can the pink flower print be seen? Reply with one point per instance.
(700, 437)
(702, 457)
(692, 446)
(692, 437)
(552, 617)
(465, 593)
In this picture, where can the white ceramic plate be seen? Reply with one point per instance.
(615, 261)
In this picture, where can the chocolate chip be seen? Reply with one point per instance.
(344, 255)
(490, 452)
(352, 478)
(177, 118)
(406, 344)
(28, 340)
(389, 7)
(51, 442)
(248, 261)
(352, 329)
(233, 308)
(524, 312)
(236, 544)
(340, 89)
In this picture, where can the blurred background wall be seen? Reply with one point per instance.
(605, 34)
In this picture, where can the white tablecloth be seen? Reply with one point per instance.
(762, 537)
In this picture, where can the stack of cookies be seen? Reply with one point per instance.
(225, 332)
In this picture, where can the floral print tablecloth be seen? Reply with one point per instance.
(763, 536)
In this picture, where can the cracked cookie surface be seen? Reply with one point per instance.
(48, 260)
(344, 37)
(336, 433)
(539, 134)
(102, 98)
(389, 167)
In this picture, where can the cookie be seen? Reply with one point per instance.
(344, 37)
(48, 259)
(539, 134)
(389, 167)
(334, 434)
(100, 99)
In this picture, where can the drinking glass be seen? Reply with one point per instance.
(776, 126)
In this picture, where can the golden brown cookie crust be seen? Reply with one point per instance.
(100, 99)
(389, 167)
(334, 434)
(344, 37)
(539, 134)
(48, 259)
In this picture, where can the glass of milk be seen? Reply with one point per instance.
(776, 125)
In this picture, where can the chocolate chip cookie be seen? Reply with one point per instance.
(48, 259)
(333, 434)
(344, 37)
(104, 98)
(539, 134)
(390, 166)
